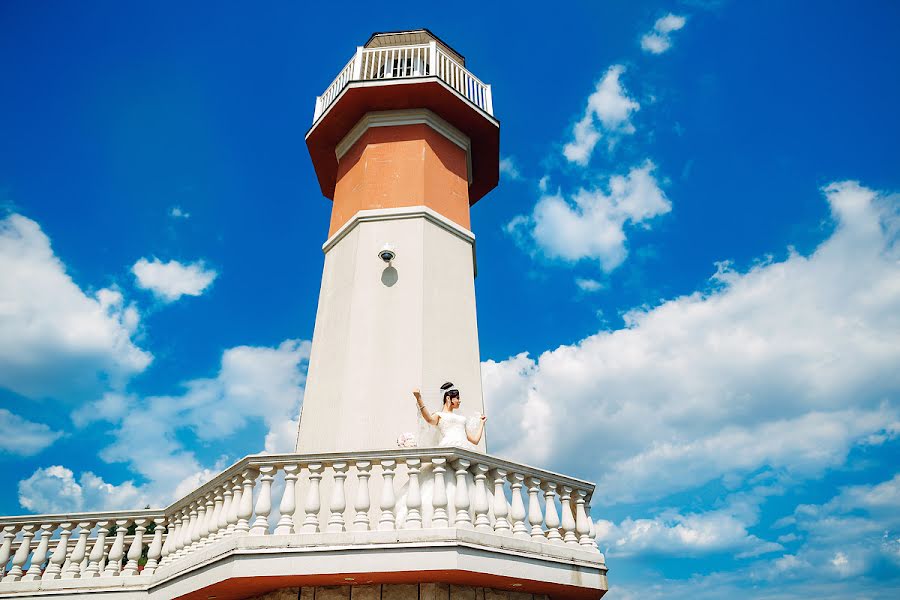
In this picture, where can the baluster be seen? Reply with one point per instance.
(40, 553)
(362, 504)
(213, 529)
(93, 568)
(78, 553)
(178, 539)
(54, 569)
(568, 519)
(21, 556)
(593, 530)
(439, 518)
(154, 552)
(207, 525)
(226, 510)
(388, 518)
(482, 520)
(463, 519)
(338, 501)
(264, 501)
(171, 536)
(517, 508)
(136, 549)
(9, 534)
(413, 495)
(535, 517)
(582, 522)
(117, 551)
(198, 517)
(235, 506)
(288, 502)
(501, 506)
(246, 509)
(313, 502)
(552, 518)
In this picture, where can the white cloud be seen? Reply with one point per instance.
(176, 212)
(788, 364)
(171, 280)
(55, 339)
(23, 437)
(591, 225)
(608, 112)
(588, 285)
(55, 490)
(659, 39)
(509, 169)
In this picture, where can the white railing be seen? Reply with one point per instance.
(419, 488)
(423, 60)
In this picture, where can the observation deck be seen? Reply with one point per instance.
(263, 524)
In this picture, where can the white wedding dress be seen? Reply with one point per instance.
(452, 429)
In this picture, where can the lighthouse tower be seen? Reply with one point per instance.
(403, 142)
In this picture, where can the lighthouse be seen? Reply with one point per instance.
(404, 141)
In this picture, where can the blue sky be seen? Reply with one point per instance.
(688, 283)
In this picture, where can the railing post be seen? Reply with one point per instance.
(363, 503)
(313, 502)
(535, 518)
(9, 534)
(552, 517)
(113, 565)
(136, 548)
(154, 552)
(461, 496)
(93, 568)
(338, 501)
(488, 100)
(501, 506)
(235, 504)
(388, 518)
(246, 508)
(264, 501)
(208, 525)
(439, 519)
(357, 64)
(517, 507)
(21, 556)
(54, 569)
(582, 522)
(74, 569)
(288, 503)
(40, 553)
(482, 520)
(413, 495)
(568, 519)
(226, 510)
(433, 58)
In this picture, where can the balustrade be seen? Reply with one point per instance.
(489, 495)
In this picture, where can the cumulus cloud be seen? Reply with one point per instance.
(55, 490)
(659, 39)
(591, 224)
(56, 339)
(23, 437)
(788, 364)
(254, 384)
(608, 112)
(588, 285)
(509, 169)
(171, 280)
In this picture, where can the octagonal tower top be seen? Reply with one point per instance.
(397, 71)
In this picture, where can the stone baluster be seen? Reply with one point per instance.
(40, 553)
(242, 527)
(198, 523)
(582, 522)
(232, 517)
(181, 534)
(54, 569)
(208, 525)
(22, 553)
(114, 558)
(501, 506)
(593, 530)
(338, 500)
(171, 537)
(363, 503)
(413, 495)
(313, 501)
(517, 509)
(97, 551)
(212, 531)
(463, 519)
(551, 520)
(154, 552)
(480, 504)
(135, 549)
(288, 502)
(78, 553)
(388, 501)
(264, 501)
(9, 534)
(439, 518)
(568, 518)
(535, 516)
(226, 509)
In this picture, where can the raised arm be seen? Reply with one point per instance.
(475, 438)
(430, 418)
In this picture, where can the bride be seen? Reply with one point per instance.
(455, 430)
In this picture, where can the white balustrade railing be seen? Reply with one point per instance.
(322, 494)
(398, 62)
